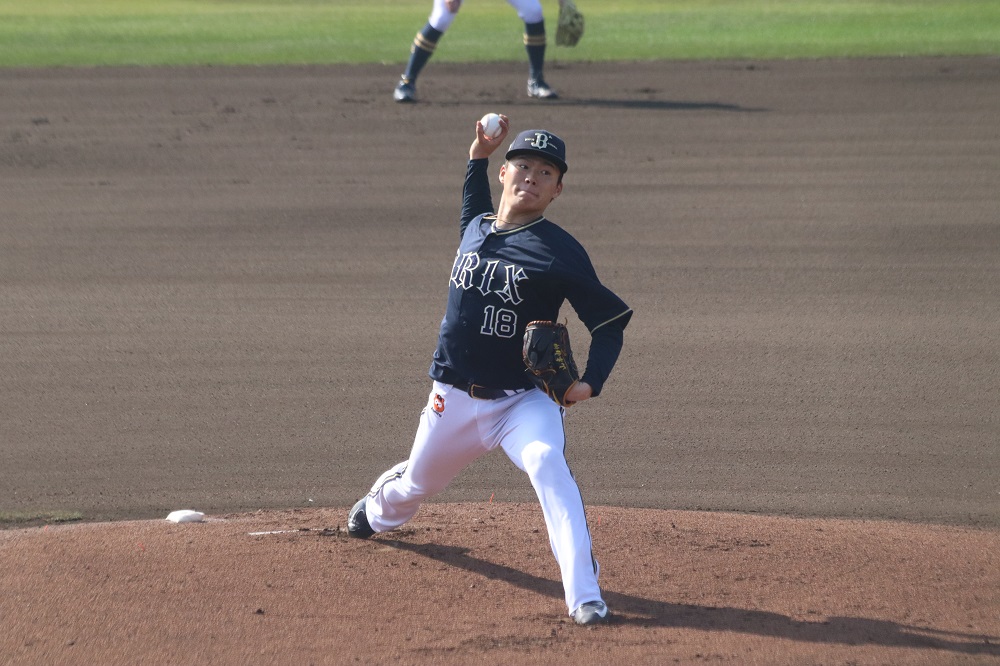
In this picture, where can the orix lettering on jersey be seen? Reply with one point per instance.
(496, 277)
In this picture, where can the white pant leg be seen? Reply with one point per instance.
(530, 11)
(535, 442)
(441, 18)
(447, 441)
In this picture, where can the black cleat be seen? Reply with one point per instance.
(405, 92)
(357, 521)
(539, 89)
(592, 612)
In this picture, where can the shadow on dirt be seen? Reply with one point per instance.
(658, 105)
(640, 104)
(642, 612)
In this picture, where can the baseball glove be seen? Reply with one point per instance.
(549, 359)
(570, 27)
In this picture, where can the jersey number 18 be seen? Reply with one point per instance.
(500, 322)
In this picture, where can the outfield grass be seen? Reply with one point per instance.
(44, 33)
(10, 519)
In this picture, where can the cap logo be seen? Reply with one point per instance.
(541, 141)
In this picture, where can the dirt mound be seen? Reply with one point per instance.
(464, 583)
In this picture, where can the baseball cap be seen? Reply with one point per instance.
(542, 143)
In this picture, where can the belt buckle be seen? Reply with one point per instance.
(472, 391)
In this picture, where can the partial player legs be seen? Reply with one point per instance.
(530, 11)
(426, 40)
(422, 49)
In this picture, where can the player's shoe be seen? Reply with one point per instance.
(592, 612)
(405, 92)
(357, 521)
(539, 89)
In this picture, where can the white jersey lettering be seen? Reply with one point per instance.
(488, 273)
(514, 274)
(469, 271)
(462, 269)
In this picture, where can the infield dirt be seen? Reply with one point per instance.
(220, 289)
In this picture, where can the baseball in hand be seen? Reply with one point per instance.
(491, 125)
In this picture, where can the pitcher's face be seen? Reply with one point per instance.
(530, 183)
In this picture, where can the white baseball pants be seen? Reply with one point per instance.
(529, 11)
(456, 429)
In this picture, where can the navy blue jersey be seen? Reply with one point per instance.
(502, 280)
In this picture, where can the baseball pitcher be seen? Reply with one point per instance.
(503, 372)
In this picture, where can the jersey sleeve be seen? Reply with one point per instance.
(476, 196)
(605, 345)
(603, 313)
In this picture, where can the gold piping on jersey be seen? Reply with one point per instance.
(611, 320)
(501, 232)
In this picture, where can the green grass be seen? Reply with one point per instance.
(10, 519)
(44, 33)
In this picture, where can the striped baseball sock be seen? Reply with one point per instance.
(423, 48)
(534, 43)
